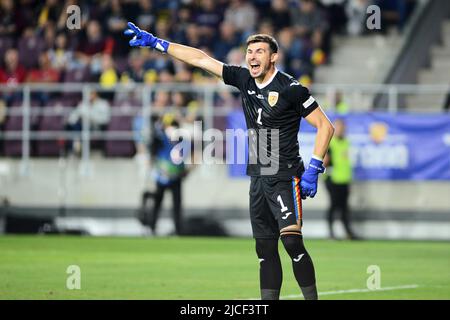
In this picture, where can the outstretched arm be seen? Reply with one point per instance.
(196, 58)
(189, 55)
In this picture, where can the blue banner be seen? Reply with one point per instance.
(384, 146)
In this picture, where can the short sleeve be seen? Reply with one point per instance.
(235, 76)
(299, 96)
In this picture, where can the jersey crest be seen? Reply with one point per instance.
(272, 98)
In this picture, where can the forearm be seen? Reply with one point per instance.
(195, 57)
(189, 55)
(324, 134)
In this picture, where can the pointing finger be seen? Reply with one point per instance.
(133, 27)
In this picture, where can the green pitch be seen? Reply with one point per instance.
(34, 267)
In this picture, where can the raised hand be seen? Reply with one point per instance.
(143, 38)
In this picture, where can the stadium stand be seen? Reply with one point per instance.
(438, 72)
(99, 52)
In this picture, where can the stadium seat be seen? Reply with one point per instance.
(72, 98)
(76, 75)
(13, 148)
(120, 148)
(35, 110)
(69, 101)
(53, 122)
(14, 122)
(127, 103)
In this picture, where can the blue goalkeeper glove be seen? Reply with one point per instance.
(309, 179)
(143, 38)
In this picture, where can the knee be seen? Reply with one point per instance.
(267, 248)
(294, 245)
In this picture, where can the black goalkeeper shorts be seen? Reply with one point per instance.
(275, 203)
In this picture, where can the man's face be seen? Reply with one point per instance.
(12, 58)
(258, 59)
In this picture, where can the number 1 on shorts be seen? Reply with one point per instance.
(283, 207)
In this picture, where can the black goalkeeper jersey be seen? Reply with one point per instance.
(278, 104)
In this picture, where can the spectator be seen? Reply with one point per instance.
(236, 57)
(135, 69)
(293, 49)
(163, 26)
(266, 27)
(208, 18)
(49, 13)
(12, 74)
(356, 13)
(24, 15)
(165, 76)
(115, 22)
(186, 108)
(159, 108)
(146, 17)
(339, 178)
(229, 39)
(183, 19)
(336, 16)
(98, 114)
(279, 14)
(8, 26)
(192, 35)
(159, 63)
(44, 74)
(30, 45)
(160, 104)
(60, 56)
(108, 77)
(310, 23)
(184, 74)
(336, 102)
(340, 106)
(90, 49)
(243, 15)
(93, 10)
(49, 36)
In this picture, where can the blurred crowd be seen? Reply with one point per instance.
(36, 45)
(44, 49)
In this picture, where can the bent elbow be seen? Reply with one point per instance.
(328, 127)
(331, 129)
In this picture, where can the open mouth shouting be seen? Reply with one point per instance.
(255, 67)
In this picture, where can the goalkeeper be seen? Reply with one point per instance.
(272, 102)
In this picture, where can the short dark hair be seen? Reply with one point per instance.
(273, 44)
